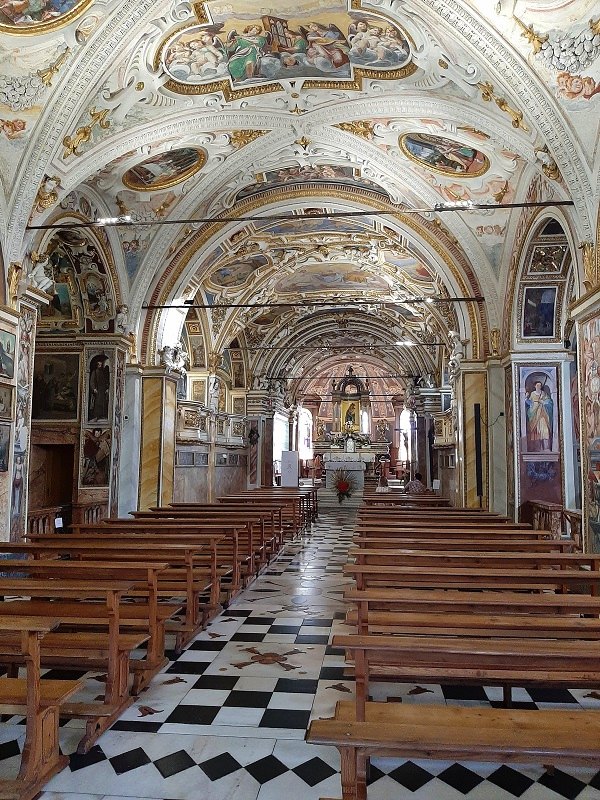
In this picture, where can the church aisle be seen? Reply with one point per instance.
(226, 720)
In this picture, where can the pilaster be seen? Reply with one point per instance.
(157, 440)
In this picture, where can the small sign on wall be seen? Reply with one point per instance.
(290, 468)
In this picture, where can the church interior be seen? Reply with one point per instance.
(250, 247)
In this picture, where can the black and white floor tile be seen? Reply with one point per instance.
(226, 719)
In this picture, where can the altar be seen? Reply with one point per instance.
(353, 463)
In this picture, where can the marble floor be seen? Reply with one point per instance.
(226, 720)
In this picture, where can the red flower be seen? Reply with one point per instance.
(343, 486)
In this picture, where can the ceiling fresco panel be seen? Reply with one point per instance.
(39, 16)
(246, 45)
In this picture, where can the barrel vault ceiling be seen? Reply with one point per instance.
(351, 122)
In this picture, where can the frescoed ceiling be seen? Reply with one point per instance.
(358, 125)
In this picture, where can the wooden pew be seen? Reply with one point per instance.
(145, 616)
(497, 544)
(456, 734)
(437, 532)
(435, 577)
(402, 556)
(295, 515)
(39, 700)
(262, 525)
(405, 500)
(185, 578)
(222, 536)
(98, 716)
(481, 661)
(452, 601)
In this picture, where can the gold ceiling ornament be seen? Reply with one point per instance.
(48, 74)
(495, 342)
(241, 138)
(200, 12)
(46, 195)
(595, 26)
(501, 193)
(303, 142)
(549, 165)
(160, 209)
(488, 94)
(591, 265)
(15, 276)
(121, 205)
(84, 134)
(359, 127)
(536, 40)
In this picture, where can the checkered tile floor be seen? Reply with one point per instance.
(226, 720)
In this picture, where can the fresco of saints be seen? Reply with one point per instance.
(539, 408)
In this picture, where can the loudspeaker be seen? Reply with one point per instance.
(478, 454)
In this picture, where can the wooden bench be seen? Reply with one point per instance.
(144, 616)
(262, 537)
(112, 649)
(39, 700)
(222, 537)
(449, 600)
(436, 577)
(557, 737)
(480, 661)
(497, 544)
(192, 577)
(473, 558)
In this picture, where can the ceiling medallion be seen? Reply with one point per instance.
(39, 16)
(444, 156)
(164, 169)
(245, 51)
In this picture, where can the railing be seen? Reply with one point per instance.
(554, 518)
(90, 513)
(41, 520)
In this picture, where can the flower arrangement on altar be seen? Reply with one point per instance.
(344, 484)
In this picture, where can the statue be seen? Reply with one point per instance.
(456, 356)
(174, 358)
(214, 390)
(122, 321)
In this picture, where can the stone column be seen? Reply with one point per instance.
(267, 451)
(14, 480)
(129, 468)
(157, 441)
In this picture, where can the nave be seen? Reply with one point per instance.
(227, 718)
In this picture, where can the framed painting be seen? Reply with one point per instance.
(7, 354)
(197, 354)
(4, 446)
(539, 440)
(95, 461)
(99, 371)
(6, 401)
(199, 391)
(56, 387)
(61, 310)
(538, 312)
